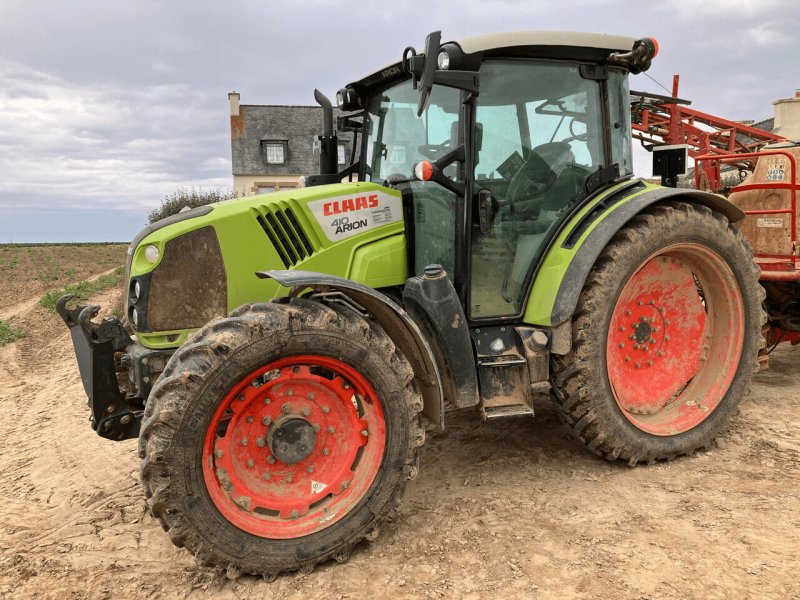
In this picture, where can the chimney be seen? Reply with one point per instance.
(787, 117)
(233, 98)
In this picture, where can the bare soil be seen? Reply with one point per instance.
(514, 509)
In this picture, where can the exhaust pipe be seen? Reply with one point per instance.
(328, 152)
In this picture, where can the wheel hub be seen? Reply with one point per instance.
(291, 440)
(663, 359)
(294, 446)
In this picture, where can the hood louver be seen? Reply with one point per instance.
(286, 234)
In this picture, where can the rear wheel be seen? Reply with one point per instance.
(665, 337)
(280, 437)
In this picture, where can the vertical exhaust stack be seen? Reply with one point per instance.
(328, 152)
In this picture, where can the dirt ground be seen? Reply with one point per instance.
(514, 508)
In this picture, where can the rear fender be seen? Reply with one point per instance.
(566, 267)
(395, 321)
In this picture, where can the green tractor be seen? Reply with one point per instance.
(283, 354)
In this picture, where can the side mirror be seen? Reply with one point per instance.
(485, 210)
(432, 43)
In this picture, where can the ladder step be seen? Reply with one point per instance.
(512, 410)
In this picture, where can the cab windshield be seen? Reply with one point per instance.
(396, 140)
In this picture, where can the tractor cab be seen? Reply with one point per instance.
(494, 142)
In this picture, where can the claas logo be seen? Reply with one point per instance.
(337, 207)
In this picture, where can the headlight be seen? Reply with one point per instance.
(137, 290)
(151, 253)
(340, 99)
(443, 60)
(135, 317)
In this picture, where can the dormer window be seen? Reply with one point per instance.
(274, 151)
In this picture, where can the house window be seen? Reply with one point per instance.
(274, 152)
(342, 154)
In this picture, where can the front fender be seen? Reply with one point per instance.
(395, 321)
(566, 266)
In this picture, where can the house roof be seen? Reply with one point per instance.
(298, 126)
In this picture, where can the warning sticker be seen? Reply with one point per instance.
(772, 222)
(344, 216)
(776, 172)
(317, 487)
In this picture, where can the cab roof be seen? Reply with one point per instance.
(533, 44)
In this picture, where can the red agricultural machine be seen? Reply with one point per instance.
(757, 169)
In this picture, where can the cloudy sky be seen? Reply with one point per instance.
(106, 107)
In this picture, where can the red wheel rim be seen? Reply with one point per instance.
(294, 447)
(675, 339)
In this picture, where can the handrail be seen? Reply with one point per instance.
(792, 185)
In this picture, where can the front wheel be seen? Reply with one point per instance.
(280, 437)
(665, 337)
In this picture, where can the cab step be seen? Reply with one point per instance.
(512, 410)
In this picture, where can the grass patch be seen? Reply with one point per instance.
(9, 333)
(83, 290)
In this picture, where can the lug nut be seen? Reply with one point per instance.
(266, 421)
(260, 442)
(310, 468)
(622, 328)
(666, 338)
(290, 392)
(244, 441)
(639, 303)
(621, 345)
(240, 397)
(326, 409)
(632, 337)
(250, 419)
(643, 318)
(636, 346)
(288, 479)
(346, 385)
(311, 395)
(295, 514)
(638, 365)
(266, 476)
(661, 353)
(316, 428)
(627, 359)
(652, 340)
(285, 408)
(266, 400)
(364, 432)
(666, 322)
(645, 348)
(331, 429)
(345, 485)
(250, 462)
(306, 411)
(271, 459)
(655, 329)
(649, 363)
(325, 451)
(627, 312)
(218, 453)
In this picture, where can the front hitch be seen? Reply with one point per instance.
(114, 415)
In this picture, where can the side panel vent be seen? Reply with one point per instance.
(286, 235)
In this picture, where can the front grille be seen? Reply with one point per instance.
(286, 234)
(189, 286)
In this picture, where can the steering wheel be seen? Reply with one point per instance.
(581, 137)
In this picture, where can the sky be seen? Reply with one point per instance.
(107, 107)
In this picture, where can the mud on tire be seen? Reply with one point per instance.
(665, 337)
(209, 506)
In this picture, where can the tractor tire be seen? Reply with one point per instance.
(665, 337)
(280, 437)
